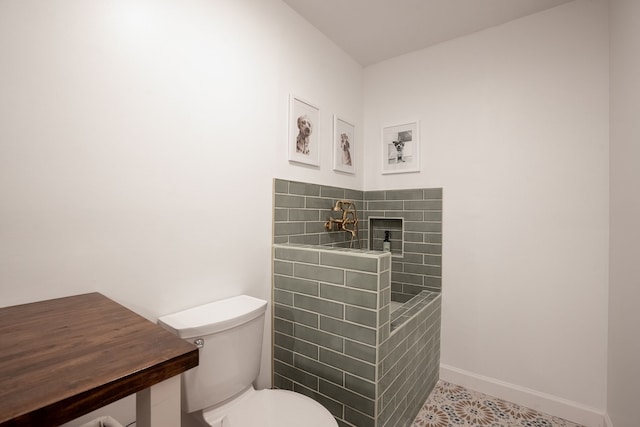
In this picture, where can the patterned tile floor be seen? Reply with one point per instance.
(450, 405)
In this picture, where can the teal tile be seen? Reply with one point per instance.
(359, 280)
(374, 195)
(360, 386)
(423, 248)
(280, 240)
(322, 203)
(433, 193)
(305, 239)
(320, 370)
(357, 418)
(415, 258)
(360, 351)
(348, 364)
(349, 295)
(332, 192)
(281, 186)
(406, 215)
(304, 189)
(433, 282)
(304, 215)
(283, 326)
(432, 216)
(349, 330)
(295, 285)
(296, 254)
(383, 315)
(350, 399)
(281, 215)
(296, 316)
(316, 305)
(296, 346)
(283, 267)
(385, 280)
(432, 237)
(315, 227)
(394, 205)
(426, 270)
(423, 227)
(414, 237)
(286, 201)
(319, 273)
(425, 205)
(288, 228)
(323, 339)
(348, 261)
(361, 316)
(416, 194)
(282, 355)
(356, 196)
(283, 297)
(296, 374)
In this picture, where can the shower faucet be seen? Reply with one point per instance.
(348, 222)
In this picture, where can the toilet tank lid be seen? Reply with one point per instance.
(214, 317)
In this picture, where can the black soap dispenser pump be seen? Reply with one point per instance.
(386, 243)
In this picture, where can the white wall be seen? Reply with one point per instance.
(139, 140)
(514, 126)
(624, 289)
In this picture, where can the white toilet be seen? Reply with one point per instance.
(219, 392)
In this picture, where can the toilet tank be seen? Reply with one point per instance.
(229, 333)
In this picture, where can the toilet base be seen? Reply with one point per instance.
(265, 408)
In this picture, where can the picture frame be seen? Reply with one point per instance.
(401, 148)
(343, 145)
(304, 129)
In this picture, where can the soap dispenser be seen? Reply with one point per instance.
(386, 243)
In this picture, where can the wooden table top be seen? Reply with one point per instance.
(63, 358)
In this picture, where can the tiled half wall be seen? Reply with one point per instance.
(334, 339)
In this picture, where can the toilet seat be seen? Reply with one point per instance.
(270, 408)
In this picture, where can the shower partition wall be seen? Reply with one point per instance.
(336, 340)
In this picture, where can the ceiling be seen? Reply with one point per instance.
(371, 31)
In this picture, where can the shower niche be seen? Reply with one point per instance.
(378, 229)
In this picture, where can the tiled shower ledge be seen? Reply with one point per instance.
(332, 249)
(410, 308)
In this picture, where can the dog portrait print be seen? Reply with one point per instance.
(397, 147)
(305, 127)
(344, 156)
(346, 149)
(400, 145)
(399, 154)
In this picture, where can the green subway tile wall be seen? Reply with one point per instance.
(300, 210)
(333, 338)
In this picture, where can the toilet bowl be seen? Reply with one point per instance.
(268, 408)
(219, 392)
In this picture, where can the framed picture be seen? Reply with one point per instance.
(343, 145)
(401, 148)
(304, 121)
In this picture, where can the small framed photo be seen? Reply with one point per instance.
(401, 148)
(304, 124)
(343, 145)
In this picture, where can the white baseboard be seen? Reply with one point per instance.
(542, 402)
